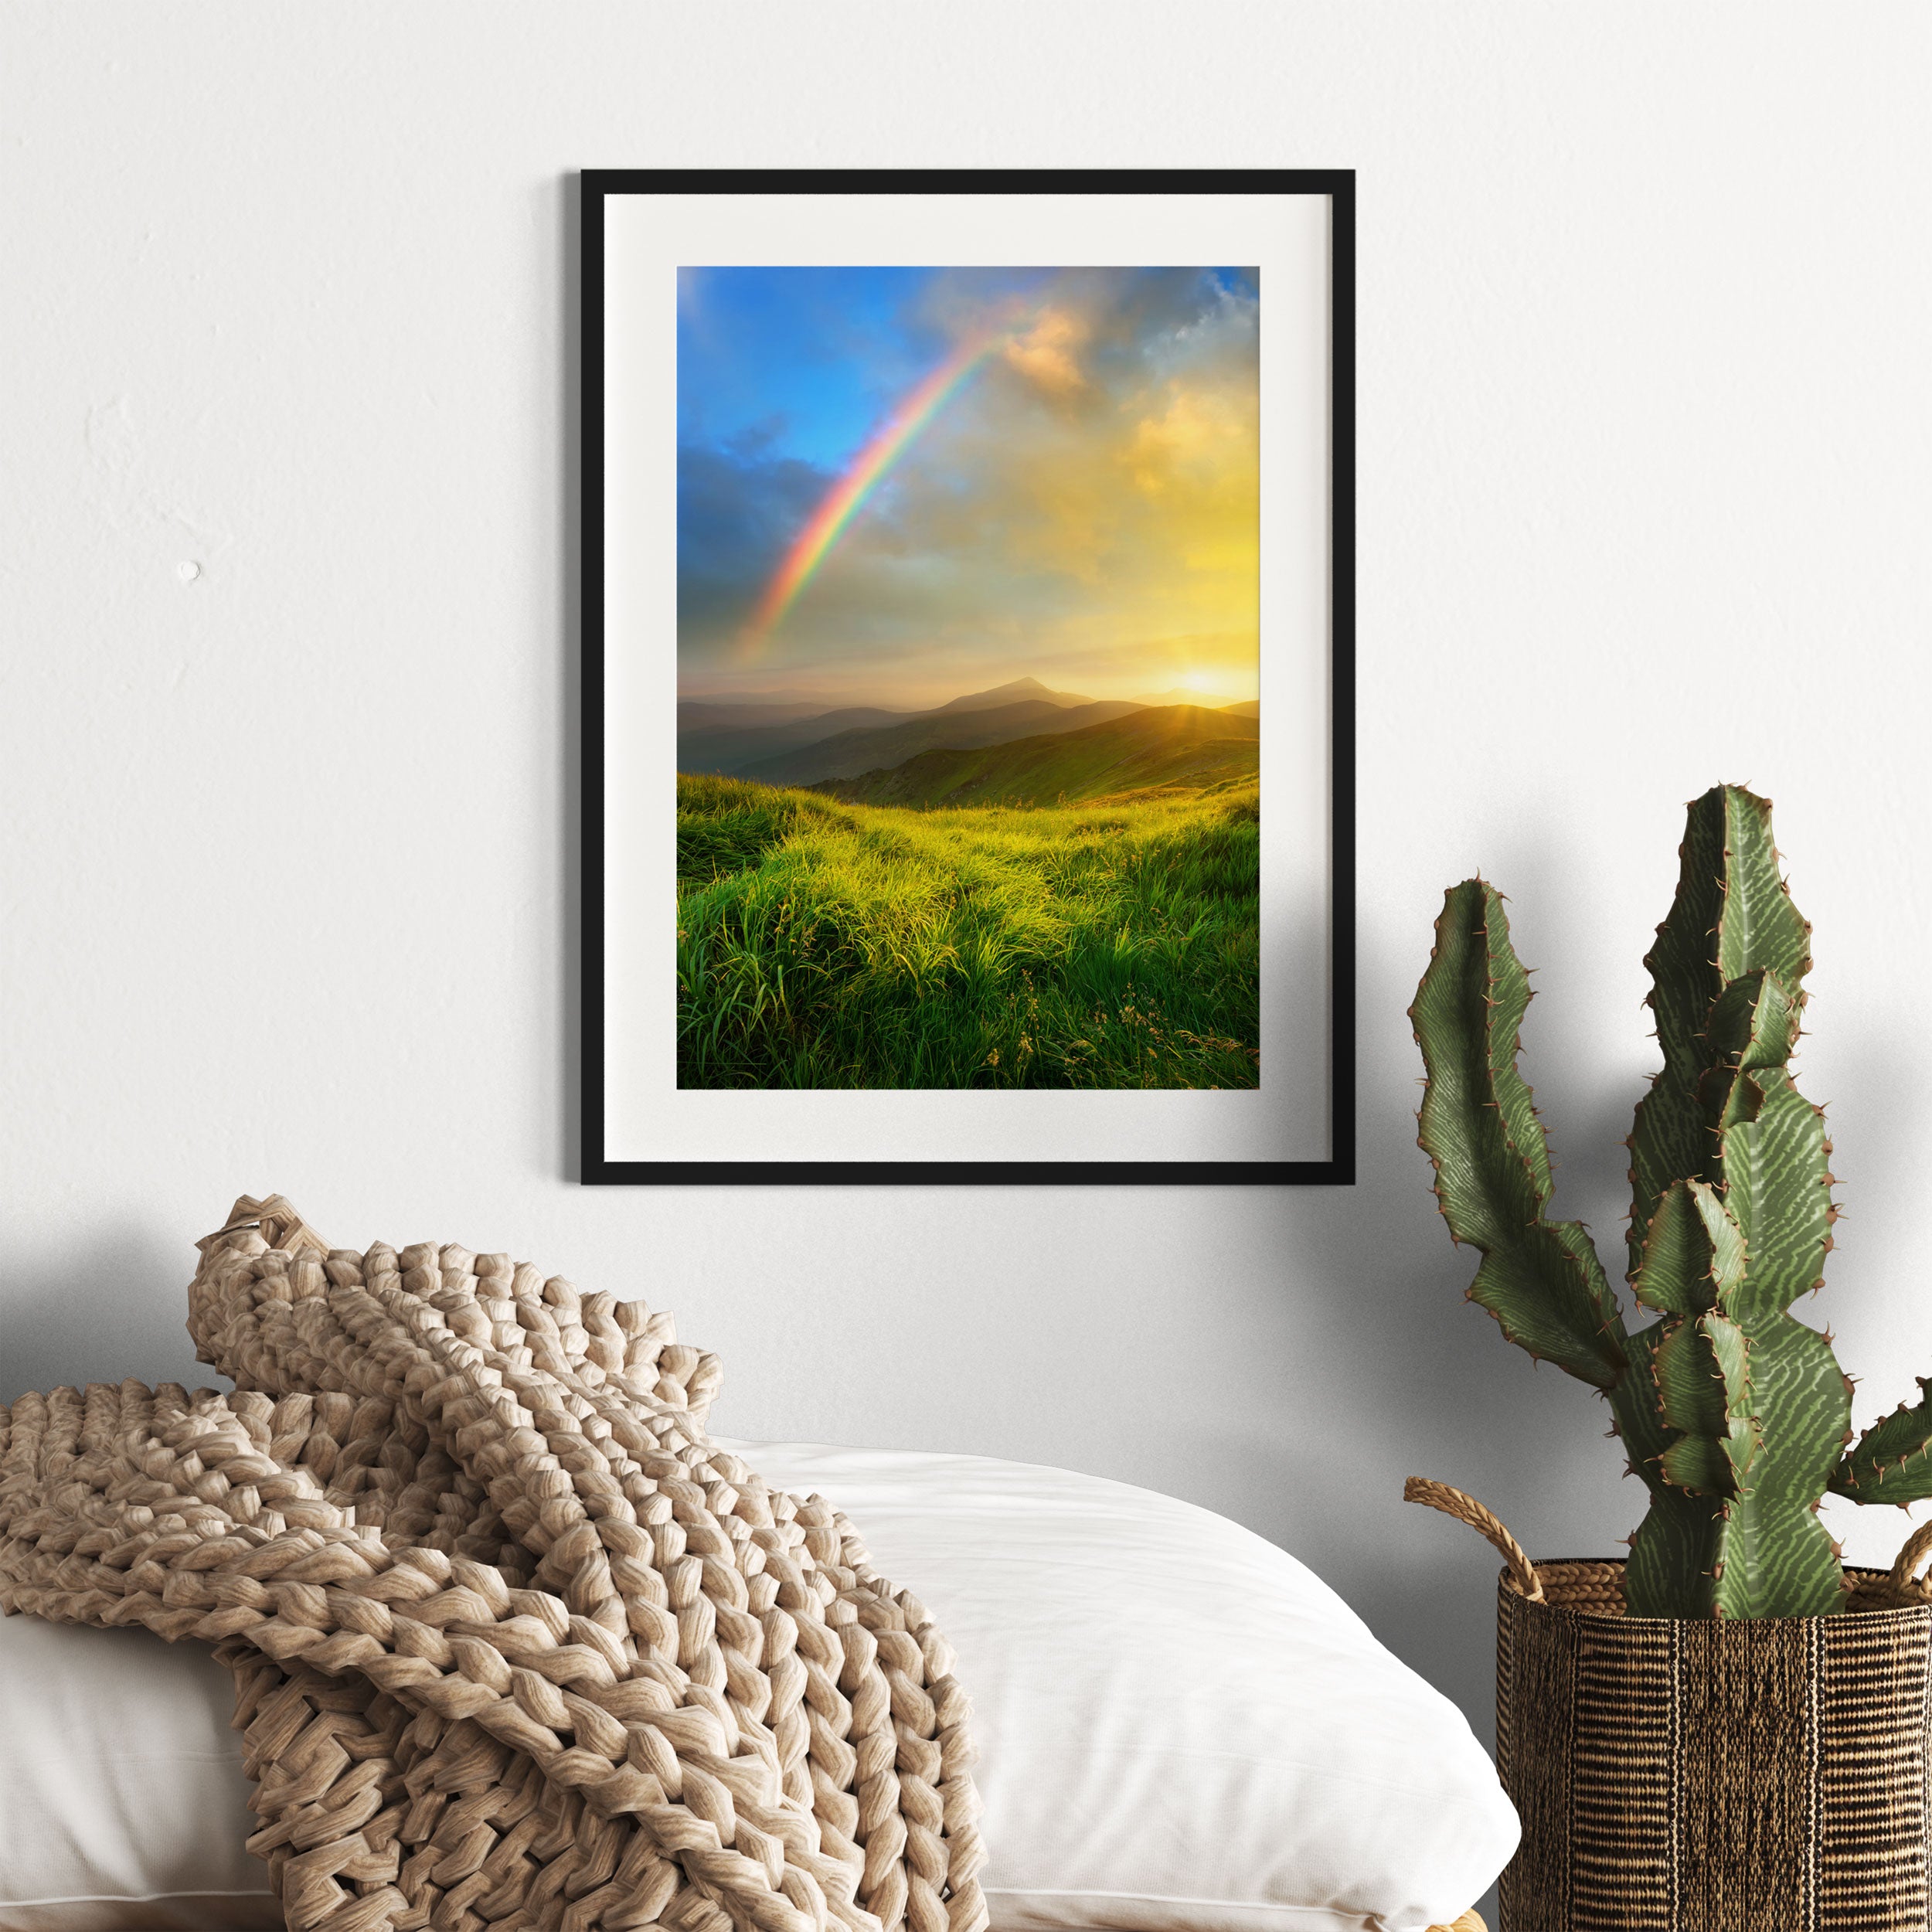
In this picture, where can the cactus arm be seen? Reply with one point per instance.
(1892, 1461)
(1639, 1413)
(1777, 1187)
(1684, 976)
(1699, 1452)
(1668, 1140)
(1730, 1353)
(1761, 927)
(1732, 1530)
(1670, 1571)
(1731, 917)
(1695, 1264)
(1703, 1373)
(1754, 1022)
(1774, 1557)
(1693, 1254)
(1542, 1279)
(1731, 1219)
(1673, 1552)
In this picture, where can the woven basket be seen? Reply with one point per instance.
(1767, 1774)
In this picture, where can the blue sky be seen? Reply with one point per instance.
(810, 357)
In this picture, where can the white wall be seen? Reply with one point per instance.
(1645, 431)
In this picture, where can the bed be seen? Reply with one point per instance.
(1182, 1729)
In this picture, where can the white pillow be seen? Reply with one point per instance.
(122, 1800)
(1182, 1730)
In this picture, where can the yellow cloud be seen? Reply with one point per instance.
(1046, 354)
(1202, 438)
(1197, 457)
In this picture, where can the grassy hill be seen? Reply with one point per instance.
(1175, 745)
(831, 945)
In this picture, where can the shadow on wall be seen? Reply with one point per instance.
(115, 1307)
(1434, 1391)
(1430, 1386)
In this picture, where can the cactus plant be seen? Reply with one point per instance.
(1735, 1414)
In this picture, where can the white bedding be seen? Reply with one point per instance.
(1182, 1730)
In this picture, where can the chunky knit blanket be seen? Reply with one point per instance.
(513, 1644)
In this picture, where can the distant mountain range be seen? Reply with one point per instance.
(737, 714)
(1143, 747)
(779, 740)
(848, 754)
(733, 749)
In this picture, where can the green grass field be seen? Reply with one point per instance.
(1111, 943)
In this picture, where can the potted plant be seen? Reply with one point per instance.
(1728, 1730)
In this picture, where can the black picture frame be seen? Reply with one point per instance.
(598, 186)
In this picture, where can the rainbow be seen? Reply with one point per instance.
(847, 497)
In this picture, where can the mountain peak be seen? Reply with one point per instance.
(1018, 692)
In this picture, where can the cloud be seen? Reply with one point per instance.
(1045, 353)
(738, 510)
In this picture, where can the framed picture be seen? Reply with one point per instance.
(968, 698)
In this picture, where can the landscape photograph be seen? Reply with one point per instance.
(968, 701)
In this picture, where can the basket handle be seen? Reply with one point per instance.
(1452, 1503)
(1917, 1546)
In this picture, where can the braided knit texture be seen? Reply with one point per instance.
(513, 1644)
